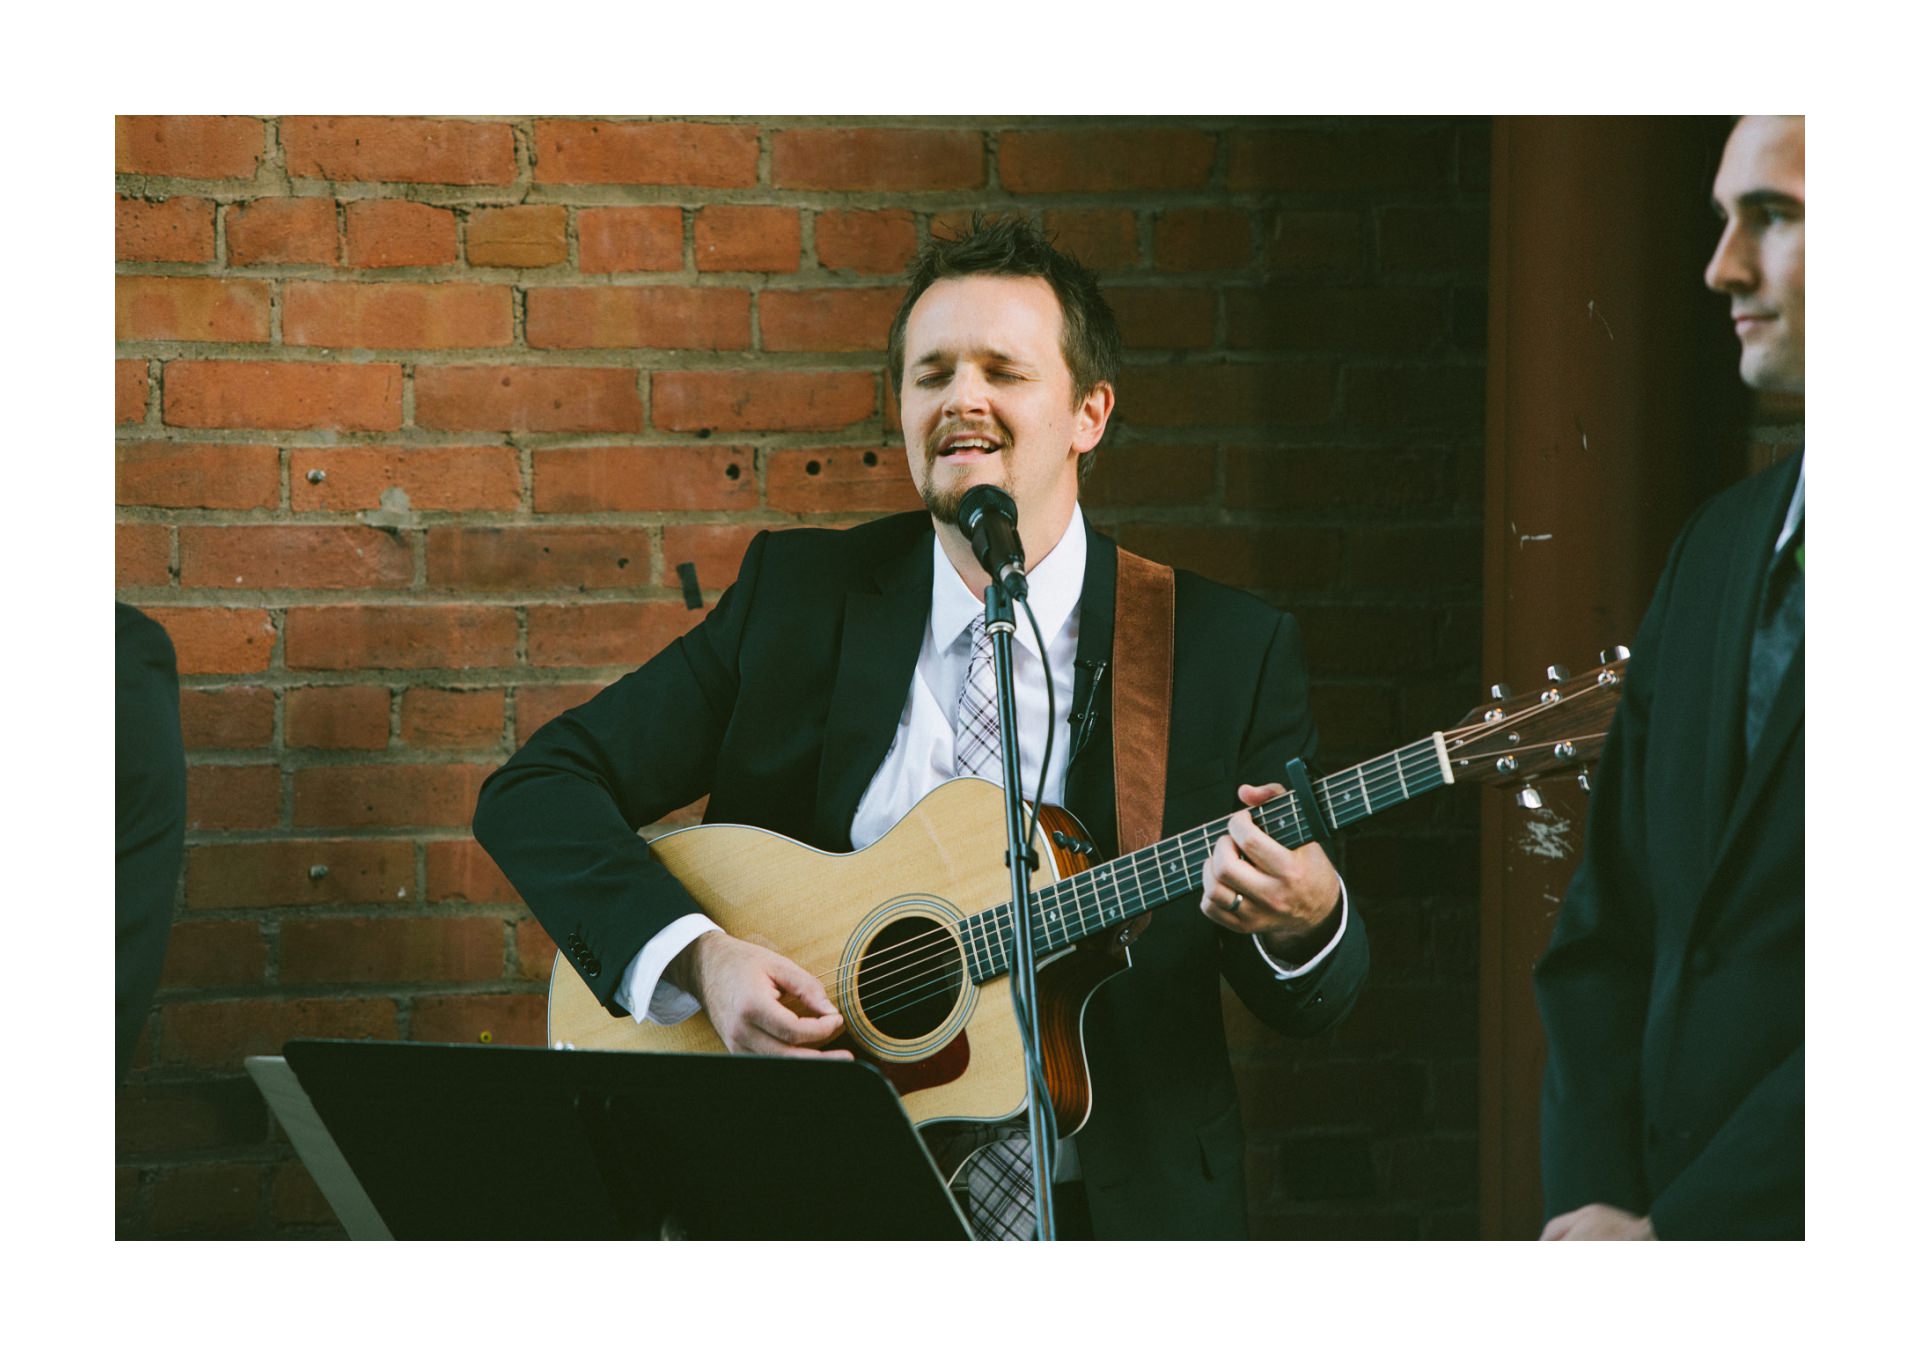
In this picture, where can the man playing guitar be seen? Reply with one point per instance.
(841, 680)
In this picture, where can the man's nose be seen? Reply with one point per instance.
(968, 391)
(1731, 267)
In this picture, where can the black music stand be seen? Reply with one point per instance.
(468, 1141)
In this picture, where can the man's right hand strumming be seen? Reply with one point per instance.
(759, 1002)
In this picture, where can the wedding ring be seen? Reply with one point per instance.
(1235, 906)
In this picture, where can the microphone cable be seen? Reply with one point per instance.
(1029, 1022)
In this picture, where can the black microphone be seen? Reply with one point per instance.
(988, 516)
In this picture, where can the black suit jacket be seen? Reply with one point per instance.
(780, 706)
(150, 815)
(1673, 990)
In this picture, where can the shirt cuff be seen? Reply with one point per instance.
(1282, 972)
(643, 992)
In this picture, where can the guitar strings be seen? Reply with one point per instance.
(1466, 735)
(941, 953)
(930, 974)
(1069, 887)
(924, 987)
(1075, 891)
(928, 980)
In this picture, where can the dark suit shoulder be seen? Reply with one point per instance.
(1750, 506)
(843, 554)
(140, 638)
(1221, 604)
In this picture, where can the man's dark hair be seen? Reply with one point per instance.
(1012, 247)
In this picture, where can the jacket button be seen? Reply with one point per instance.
(593, 969)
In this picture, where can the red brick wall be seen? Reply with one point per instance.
(416, 418)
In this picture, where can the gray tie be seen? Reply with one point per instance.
(976, 721)
(1778, 634)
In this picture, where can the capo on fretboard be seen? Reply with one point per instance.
(1300, 782)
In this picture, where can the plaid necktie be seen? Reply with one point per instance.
(998, 1177)
(976, 722)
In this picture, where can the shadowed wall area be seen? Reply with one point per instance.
(420, 422)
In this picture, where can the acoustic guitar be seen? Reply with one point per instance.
(911, 935)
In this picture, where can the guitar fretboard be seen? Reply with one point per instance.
(1105, 896)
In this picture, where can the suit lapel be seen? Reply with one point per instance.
(1089, 786)
(1726, 732)
(1738, 780)
(880, 639)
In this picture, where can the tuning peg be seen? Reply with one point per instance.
(1528, 798)
(1615, 654)
(1586, 780)
(1556, 674)
(1499, 692)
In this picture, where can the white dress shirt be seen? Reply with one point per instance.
(1796, 509)
(921, 756)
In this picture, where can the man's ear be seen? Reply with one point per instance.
(1090, 419)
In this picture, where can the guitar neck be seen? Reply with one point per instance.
(1071, 910)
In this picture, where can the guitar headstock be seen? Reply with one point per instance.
(1553, 731)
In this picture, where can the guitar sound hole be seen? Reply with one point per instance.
(910, 978)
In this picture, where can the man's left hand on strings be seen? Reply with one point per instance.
(1252, 883)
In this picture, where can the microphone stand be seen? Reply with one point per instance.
(1020, 864)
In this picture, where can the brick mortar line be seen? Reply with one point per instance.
(1226, 283)
(524, 156)
(665, 593)
(279, 683)
(670, 360)
(374, 596)
(320, 834)
(640, 360)
(665, 587)
(293, 758)
(134, 514)
(406, 439)
(336, 911)
(922, 202)
(938, 121)
(427, 521)
(816, 276)
(348, 990)
(492, 985)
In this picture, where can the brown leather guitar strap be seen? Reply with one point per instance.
(1142, 705)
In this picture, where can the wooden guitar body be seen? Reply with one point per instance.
(883, 928)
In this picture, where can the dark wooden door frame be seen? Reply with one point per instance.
(1613, 408)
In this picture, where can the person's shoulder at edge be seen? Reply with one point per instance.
(140, 634)
(843, 548)
(1750, 494)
